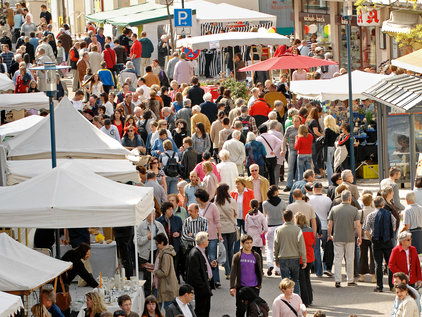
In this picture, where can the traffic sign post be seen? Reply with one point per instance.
(183, 17)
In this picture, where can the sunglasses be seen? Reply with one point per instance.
(130, 130)
(254, 170)
(155, 162)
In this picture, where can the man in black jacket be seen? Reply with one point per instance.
(199, 274)
(196, 93)
(181, 304)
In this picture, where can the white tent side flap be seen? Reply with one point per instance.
(122, 171)
(6, 83)
(24, 269)
(16, 127)
(9, 304)
(71, 196)
(36, 100)
(76, 137)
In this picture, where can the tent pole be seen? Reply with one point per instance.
(234, 66)
(135, 241)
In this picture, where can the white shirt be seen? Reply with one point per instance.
(109, 109)
(322, 206)
(146, 91)
(240, 205)
(112, 132)
(79, 106)
(184, 308)
(408, 260)
(251, 101)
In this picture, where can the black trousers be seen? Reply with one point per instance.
(271, 166)
(208, 60)
(123, 251)
(241, 307)
(366, 264)
(305, 284)
(382, 251)
(202, 304)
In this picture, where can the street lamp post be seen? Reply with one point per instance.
(51, 89)
(348, 14)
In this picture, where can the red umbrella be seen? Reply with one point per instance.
(287, 61)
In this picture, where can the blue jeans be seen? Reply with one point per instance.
(329, 163)
(290, 268)
(229, 240)
(291, 171)
(137, 65)
(304, 162)
(212, 253)
(172, 184)
(317, 253)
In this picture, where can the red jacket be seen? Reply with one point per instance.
(109, 56)
(398, 263)
(259, 108)
(247, 197)
(136, 49)
(304, 145)
(309, 237)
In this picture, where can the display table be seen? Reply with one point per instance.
(79, 301)
(103, 258)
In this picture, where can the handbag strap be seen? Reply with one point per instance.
(267, 143)
(61, 284)
(290, 306)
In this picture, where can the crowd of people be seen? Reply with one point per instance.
(216, 167)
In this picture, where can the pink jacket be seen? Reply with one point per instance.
(198, 169)
(255, 226)
(213, 217)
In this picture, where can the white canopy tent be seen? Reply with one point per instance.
(117, 170)
(71, 196)
(16, 127)
(23, 269)
(6, 84)
(223, 12)
(222, 40)
(9, 304)
(336, 88)
(76, 137)
(36, 100)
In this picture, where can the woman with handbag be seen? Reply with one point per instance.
(94, 305)
(288, 304)
(227, 208)
(255, 305)
(330, 135)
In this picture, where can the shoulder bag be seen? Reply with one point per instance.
(63, 298)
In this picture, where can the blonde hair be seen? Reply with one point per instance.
(208, 166)
(98, 305)
(240, 180)
(330, 123)
(39, 310)
(300, 220)
(286, 283)
(167, 145)
(303, 131)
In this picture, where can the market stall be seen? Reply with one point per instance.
(84, 141)
(399, 120)
(412, 61)
(9, 304)
(14, 128)
(122, 171)
(6, 84)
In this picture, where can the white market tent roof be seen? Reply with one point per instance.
(223, 12)
(232, 39)
(6, 84)
(117, 170)
(76, 137)
(412, 61)
(36, 100)
(24, 269)
(16, 127)
(9, 304)
(336, 88)
(71, 196)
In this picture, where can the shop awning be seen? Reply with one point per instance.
(412, 61)
(403, 92)
(401, 21)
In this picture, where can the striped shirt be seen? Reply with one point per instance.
(412, 216)
(369, 224)
(193, 226)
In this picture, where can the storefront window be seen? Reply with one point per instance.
(355, 47)
(315, 6)
(399, 143)
(368, 46)
(398, 51)
(322, 32)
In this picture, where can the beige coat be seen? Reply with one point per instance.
(228, 215)
(168, 287)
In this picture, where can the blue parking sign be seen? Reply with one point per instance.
(182, 17)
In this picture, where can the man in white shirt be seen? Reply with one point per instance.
(272, 146)
(144, 87)
(111, 130)
(322, 205)
(77, 100)
(236, 150)
(394, 176)
(255, 92)
(181, 305)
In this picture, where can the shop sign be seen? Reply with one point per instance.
(343, 21)
(314, 18)
(369, 17)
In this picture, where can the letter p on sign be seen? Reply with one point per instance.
(182, 17)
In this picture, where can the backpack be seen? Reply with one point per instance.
(172, 167)
(142, 131)
(383, 227)
(246, 123)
